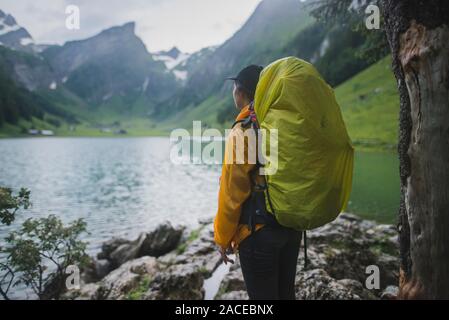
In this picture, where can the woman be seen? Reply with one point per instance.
(268, 252)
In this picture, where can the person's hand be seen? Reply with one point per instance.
(224, 256)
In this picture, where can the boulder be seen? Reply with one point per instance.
(235, 295)
(117, 284)
(316, 284)
(88, 292)
(109, 246)
(102, 268)
(126, 252)
(163, 239)
(232, 282)
(95, 270)
(178, 282)
(357, 288)
(338, 255)
(206, 221)
(390, 293)
(160, 241)
(345, 247)
(201, 252)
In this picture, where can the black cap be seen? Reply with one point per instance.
(248, 78)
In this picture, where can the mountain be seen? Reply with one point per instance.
(276, 29)
(261, 39)
(333, 49)
(14, 36)
(174, 61)
(110, 74)
(20, 55)
(19, 107)
(110, 80)
(112, 64)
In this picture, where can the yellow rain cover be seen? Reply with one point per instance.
(310, 176)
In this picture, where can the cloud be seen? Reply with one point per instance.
(188, 24)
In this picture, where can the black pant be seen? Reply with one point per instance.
(268, 258)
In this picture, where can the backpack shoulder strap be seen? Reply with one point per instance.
(246, 122)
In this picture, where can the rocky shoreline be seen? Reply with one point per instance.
(174, 263)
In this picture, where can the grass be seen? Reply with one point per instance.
(206, 112)
(193, 236)
(369, 102)
(138, 292)
(135, 127)
(370, 105)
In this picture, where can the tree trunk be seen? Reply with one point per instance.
(418, 33)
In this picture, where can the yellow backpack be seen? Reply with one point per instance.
(312, 179)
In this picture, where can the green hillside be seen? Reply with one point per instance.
(370, 106)
(120, 89)
(369, 103)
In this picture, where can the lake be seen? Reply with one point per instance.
(123, 186)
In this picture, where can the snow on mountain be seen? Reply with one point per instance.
(180, 74)
(173, 59)
(53, 85)
(5, 27)
(13, 36)
(171, 62)
(26, 41)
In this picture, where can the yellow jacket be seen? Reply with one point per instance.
(235, 187)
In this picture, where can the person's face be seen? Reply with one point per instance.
(240, 99)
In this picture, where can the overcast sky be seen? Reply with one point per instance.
(161, 24)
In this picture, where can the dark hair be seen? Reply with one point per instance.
(242, 88)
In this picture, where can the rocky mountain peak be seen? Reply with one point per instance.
(13, 35)
(173, 52)
(7, 19)
(123, 30)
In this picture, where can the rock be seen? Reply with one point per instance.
(206, 221)
(235, 295)
(88, 292)
(126, 252)
(315, 258)
(122, 280)
(232, 282)
(357, 288)
(318, 285)
(95, 270)
(117, 284)
(109, 246)
(345, 247)
(349, 217)
(338, 255)
(162, 240)
(102, 268)
(89, 272)
(178, 282)
(201, 252)
(389, 270)
(168, 259)
(390, 293)
(348, 263)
